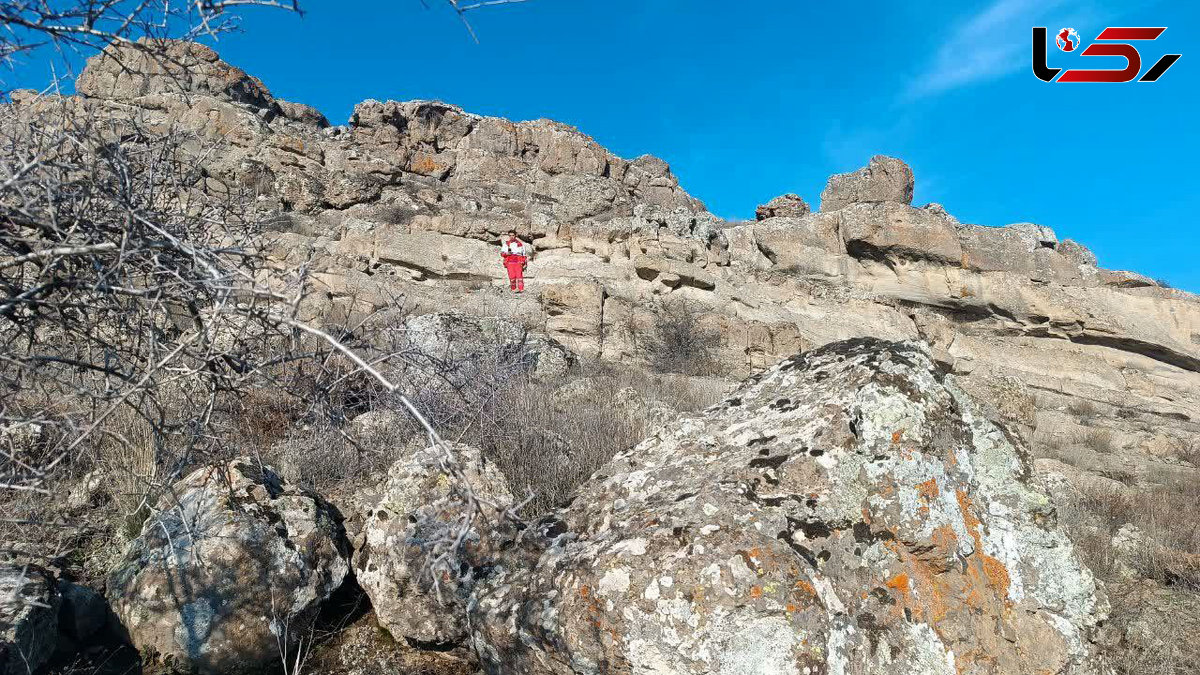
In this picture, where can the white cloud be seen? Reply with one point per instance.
(990, 44)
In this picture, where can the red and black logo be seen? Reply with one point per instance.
(1068, 41)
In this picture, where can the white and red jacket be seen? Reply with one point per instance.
(515, 247)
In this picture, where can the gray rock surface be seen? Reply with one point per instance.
(127, 72)
(234, 563)
(885, 179)
(450, 338)
(404, 206)
(849, 510)
(788, 205)
(29, 607)
(415, 504)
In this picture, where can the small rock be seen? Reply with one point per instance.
(1035, 236)
(788, 205)
(87, 491)
(1125, 279)
(1077, 253)
(940, 211)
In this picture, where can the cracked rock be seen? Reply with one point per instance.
(234, 562)
(848, 510)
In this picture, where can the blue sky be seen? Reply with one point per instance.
(748, 100)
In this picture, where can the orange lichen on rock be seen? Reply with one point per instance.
(928, 490)
(804, 592)
(997, 574)
(424, 164)
(896, 436)
(898, 583)
(994, 570)
(972, 522)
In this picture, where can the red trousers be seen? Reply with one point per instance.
(515, 265)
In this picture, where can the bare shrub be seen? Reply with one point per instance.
(1152, 630)
(1187, 450)
(1100, 440)
(1159, 575)
(1169, 517)
(131, 283)
(1084, 409)
(680, 343)
(547, 443)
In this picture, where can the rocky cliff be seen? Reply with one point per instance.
(1098, 371)
(405, 203)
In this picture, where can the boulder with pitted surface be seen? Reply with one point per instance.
(230, 571)
(848, 510)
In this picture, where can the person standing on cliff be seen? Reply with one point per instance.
(515, 253)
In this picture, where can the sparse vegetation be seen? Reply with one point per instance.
(1083, 408)
(1165, 550)
(681, 343)
(1100, 440)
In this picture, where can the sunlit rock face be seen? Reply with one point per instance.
(230, 571)
(847, 511)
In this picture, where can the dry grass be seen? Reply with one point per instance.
(1169, 518)
(680, 343)
(1084, 409)
(547, 441)
(1154, 588)
(128, 462)
(1100, 440)
(1187, 450)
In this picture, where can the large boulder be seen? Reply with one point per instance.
(418, 504)
(29, 608)
(127, 71)
(232, 568)
(799, 242)
(875, 230)
(848, 510)
(884, 179)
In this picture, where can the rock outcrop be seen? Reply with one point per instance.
(232, 569)
(444, 339)
(29, 608)
(415, 504)
(783, 206)
(885, 179)
(405, 203)
(848, 510)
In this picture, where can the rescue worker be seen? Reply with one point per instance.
(515, 253)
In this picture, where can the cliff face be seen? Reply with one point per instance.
(407, 201)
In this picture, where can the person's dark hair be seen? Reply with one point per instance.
(513, 232)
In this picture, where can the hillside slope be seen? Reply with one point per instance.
(405, 204)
